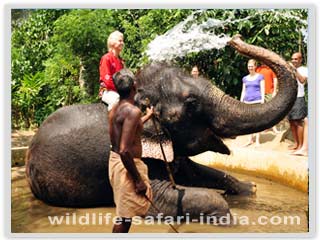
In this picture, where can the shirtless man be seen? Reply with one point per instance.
(127, 173)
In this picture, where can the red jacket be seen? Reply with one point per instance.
(109, 65)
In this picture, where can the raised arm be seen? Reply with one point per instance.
(149, 113)
(301, 79)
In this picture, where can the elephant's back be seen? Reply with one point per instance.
(67, 159)
(72, 121)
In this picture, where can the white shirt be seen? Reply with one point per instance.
(303, 72)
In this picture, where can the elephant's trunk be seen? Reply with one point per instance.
(231, 117)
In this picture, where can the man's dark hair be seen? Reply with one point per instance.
(123, 81)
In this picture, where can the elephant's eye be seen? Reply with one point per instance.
(191, 106)
(191, 102)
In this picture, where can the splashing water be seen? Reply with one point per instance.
(183, 41)
(185, 38)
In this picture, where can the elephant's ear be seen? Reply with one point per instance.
(192, 106)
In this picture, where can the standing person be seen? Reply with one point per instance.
(253, 92)
(271, 84)
(111, 63)
(270, 81)
(195, 71)
(127, 173)
(299, 110)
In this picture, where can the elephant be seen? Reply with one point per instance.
(67, 160)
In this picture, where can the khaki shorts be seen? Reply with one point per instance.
(128, 202)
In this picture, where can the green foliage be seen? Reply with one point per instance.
(25, 101)
(30, 43)
(30, 47)
(64, 83)
(56, 53)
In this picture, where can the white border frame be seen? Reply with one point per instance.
(5, 127)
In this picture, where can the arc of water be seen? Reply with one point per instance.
(189, 36)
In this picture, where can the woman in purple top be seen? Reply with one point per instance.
(253, 92)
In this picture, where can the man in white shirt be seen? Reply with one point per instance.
(298, 114)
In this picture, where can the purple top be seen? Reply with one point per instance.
(252, 88)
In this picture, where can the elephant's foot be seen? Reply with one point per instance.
(237, 187)
(189, 173)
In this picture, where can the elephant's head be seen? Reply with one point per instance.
(197, 114)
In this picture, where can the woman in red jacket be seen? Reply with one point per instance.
(111, 63)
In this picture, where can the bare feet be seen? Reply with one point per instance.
(300, 152)
(293, 147)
